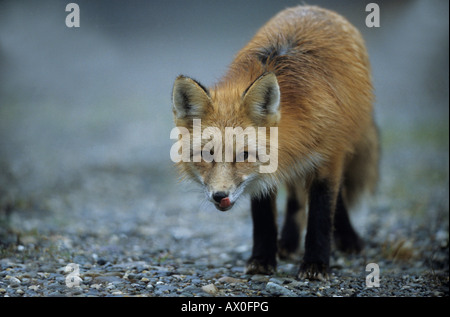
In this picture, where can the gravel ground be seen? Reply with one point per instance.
(90, 204)
(134, 241)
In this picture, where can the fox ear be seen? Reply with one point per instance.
(262, 100)
(189, 97)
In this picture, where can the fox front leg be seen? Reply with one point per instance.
(316, 259)
(263, 259)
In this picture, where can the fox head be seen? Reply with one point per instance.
(227, 134)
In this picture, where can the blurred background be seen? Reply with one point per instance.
(94, 102)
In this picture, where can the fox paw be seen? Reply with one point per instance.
(257, 266)
(313, 271)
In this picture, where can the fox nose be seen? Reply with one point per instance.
(218, 196)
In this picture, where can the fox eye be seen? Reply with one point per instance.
(242, 157)
(210, 152)
(208, 156)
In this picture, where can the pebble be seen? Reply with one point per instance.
(229, 279)
(276, 280)
(191, 289)
(276, 289)
(13, 281)
(210, 289)
(259, 278)
(161, 289)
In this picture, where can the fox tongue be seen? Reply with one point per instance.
(225, 202)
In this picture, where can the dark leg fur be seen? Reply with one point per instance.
(263, 259)
(345, 237)
(318, 236)
(290, 234)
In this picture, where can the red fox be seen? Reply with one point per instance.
(307, 74)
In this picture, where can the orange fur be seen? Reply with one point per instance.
(323, 72)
